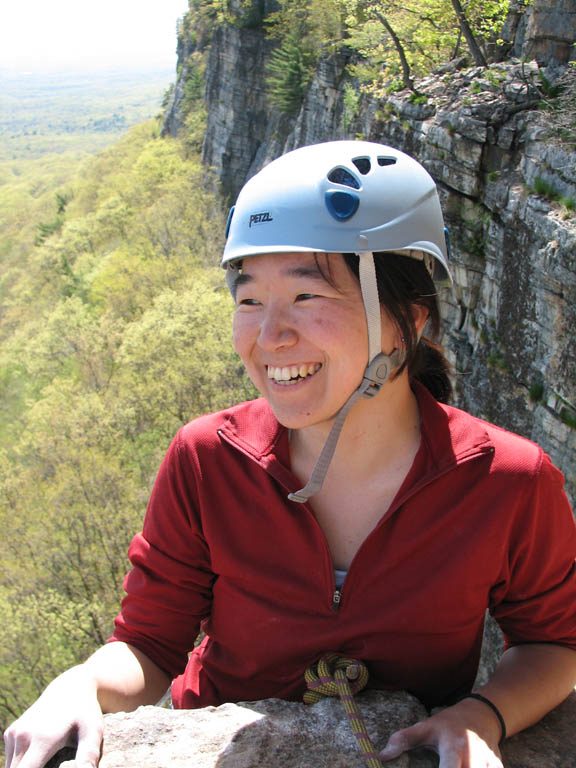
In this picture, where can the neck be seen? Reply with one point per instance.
(378, 432)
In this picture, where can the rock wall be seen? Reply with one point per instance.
(510, 317)
(239, 121)
(511, 314)
(244, 132)
(550, 31)
(273, 733)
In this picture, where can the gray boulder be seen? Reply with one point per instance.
(266, 734)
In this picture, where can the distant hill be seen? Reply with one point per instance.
(58, 112)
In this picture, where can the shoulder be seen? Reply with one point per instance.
(515, 472)
(515, 457)
(453, 431)
(510, 448)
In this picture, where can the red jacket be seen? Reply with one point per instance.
(481, 521)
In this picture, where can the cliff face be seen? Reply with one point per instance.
(510, 317)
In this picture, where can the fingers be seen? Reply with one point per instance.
(89, 744)
(22, 751)
(455, 750)
(417, 736)
(450, 757)
(66, 714)
(467, 751)
(8, 747)
(396, 745)
(31, 747)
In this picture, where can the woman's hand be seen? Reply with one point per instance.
(117, 677)
(66, 714)
(464, 736)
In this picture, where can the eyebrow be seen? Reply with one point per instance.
(239, 279)
(305, 272)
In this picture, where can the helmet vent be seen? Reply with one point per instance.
(342, 176)
(363, 164)
(341, 205)
(386, 161)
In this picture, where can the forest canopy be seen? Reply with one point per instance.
(114, 331)
(391, 42)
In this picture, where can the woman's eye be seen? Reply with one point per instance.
(305, 296)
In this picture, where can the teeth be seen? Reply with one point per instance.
(292, 372)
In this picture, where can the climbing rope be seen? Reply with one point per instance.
(335, 675)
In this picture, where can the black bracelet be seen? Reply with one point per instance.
(493, 707)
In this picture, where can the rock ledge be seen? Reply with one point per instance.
(266, 734)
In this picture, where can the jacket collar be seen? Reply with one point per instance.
(254, 430)
(449, 437)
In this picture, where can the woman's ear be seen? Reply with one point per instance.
(420, 315)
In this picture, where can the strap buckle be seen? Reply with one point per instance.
(378, 371)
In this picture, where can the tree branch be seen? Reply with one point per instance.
(477, 55)
(407, 81)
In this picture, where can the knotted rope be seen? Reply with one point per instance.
(335, 675)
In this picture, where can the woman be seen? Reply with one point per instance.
(347, 510)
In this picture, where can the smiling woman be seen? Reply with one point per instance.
(289, 316)
(348, 510)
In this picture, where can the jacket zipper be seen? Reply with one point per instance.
(474, 454)
(336, 598)
(337, 594)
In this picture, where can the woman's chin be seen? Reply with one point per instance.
(300, 419)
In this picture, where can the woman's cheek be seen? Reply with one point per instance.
(244, 337)
(240, 334)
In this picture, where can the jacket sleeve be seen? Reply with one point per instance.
(536, 600)
(169, 588)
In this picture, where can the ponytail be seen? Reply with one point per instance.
(431, 368)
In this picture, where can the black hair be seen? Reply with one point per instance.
(402, 282)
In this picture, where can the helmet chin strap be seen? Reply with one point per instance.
(379, 368)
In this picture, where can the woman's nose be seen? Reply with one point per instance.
(276, 330)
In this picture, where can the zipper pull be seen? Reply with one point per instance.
(336, 597)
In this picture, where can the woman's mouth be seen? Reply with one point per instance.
(290, 374)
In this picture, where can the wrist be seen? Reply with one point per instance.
(482, 718)
(490, 704)
(73, 682)
(80, 675)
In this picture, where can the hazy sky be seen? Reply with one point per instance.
(46, 35)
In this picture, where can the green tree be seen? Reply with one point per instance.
(115, 330)
(395, 42)
(177, 360)
(304, 30)
(289, 73)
